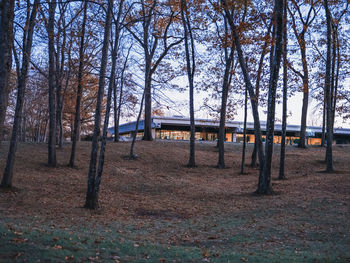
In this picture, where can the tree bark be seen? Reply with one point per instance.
(264, 186)
(117, 110)
(6, 44)
(109, 103)
(247, 80)
(75, 136)
(52, 85)
(132, 155)
(257, 89)
(225, 88)
(21, 85)
(91, 201)
(191, 68)
(244, 130)
(302, 140)
(329, 150)
(285, 95)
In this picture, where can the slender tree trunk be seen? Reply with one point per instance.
(52, 86)
(132, 155)
(302, 140)
(117, 110)
(323, 138)
(257, 89)
(225, 88)
(6, 44)
(252, 95)
(75, 136)
(191, 67)
(147, 135)
(108, 105)
(285, 95)
(329, 150)
(244, 129)
(264, 186)
(115, 113)
(91, 201)
(22, 79)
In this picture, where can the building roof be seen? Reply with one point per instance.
(157, 122)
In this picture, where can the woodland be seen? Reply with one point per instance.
(69, 70)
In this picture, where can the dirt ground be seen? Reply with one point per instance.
(158, 200)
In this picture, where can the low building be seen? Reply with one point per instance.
(178, 128)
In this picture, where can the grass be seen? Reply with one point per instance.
(155, 209)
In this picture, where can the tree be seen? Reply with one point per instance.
(300, 33)
(80, 88)
(328, 96)
(94, 179)
(155, 29)
(285, 95)
(225, 89)
(22, 73)
(191, 68)
(264, 186)
(244, 130)
(52, 85)
(247, 80)
(6, 43)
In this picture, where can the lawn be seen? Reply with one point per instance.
(155, 209)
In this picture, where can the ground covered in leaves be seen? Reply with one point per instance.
(155, 209)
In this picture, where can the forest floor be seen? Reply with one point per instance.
(155, 209)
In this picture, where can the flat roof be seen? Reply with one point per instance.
(157, 122)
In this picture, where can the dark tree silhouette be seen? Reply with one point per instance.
(191, 68)
(91, 200)
(22, 73)
(285, 95)
(264, 186)
(75, 136)
(6, 43)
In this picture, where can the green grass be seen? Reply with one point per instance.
(297, 235)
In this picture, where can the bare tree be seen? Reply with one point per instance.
(328, 95)
(22, 73)
(285, 95)
(75, 136)
(264, 186)
(248, 83)
(52, 85)
(150, 37)
(91, 201)
(225, 88)
(6, 43)
(191, 68)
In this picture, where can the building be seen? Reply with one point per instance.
(178, 128)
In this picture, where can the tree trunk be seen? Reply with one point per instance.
(115, 113)
(285, 95)
(6, 44)
(132, 155)
(225, 88)
(252, 95)
(257, 89)
(147, 135)
(117, 110)
(52, 86)
(191, 67)
(264, 186)
(323, 138)
(75, 136)
(329, 150)
(21, 85)
(108, 105)
(244, 129)
(91, 201)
